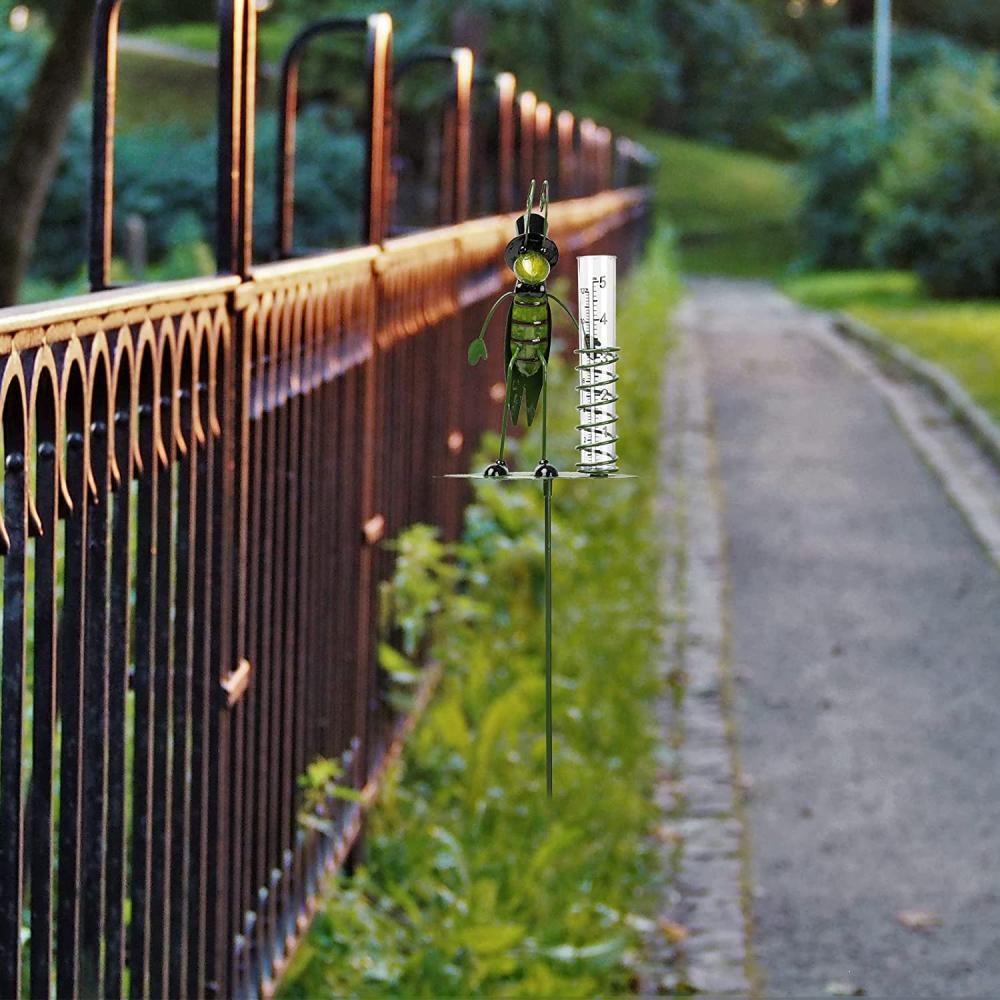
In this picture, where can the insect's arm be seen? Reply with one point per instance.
(565, 309)
(477, 349)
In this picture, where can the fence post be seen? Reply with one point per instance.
(102, 141)
(237, 101)
(381, 190)
(566, 165)
(234, 255)
(543, 129)
(526, 139)
(377, 64)
(464, 66)
(506, 84)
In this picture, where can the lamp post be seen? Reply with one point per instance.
(882, 60)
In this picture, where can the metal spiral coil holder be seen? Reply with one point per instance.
(596, 396)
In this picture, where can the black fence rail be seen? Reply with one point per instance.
(198, 477)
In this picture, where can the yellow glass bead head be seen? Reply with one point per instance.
(531, 267)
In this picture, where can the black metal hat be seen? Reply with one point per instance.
(535, 239)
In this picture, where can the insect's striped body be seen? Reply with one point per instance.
(530, 326)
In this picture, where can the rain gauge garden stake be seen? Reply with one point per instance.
(531, 255)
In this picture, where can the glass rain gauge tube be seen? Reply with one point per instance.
(597, 366)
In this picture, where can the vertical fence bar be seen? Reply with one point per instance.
(204, 430)
(182, 776)
(95, 685)
(120, 658)
(277, 611)
(226, 714)
(162, 871)
(71, 664)
(15, 524)
(147, 414)
(46, 435)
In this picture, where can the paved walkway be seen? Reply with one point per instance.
(863, 649)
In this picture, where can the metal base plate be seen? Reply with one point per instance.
(521, 476)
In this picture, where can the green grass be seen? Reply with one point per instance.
(734, 211)
(203, 36)
(474, 883)
(153, 89)
(961, 337)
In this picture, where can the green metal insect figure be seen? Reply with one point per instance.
(531, 255)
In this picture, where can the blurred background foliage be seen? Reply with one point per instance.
(787, 79)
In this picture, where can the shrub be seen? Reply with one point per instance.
(166, 175)
(935, 202)
(840, 153)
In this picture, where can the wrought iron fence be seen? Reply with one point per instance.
(198, 477)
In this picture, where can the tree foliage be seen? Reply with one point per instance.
(923, 194)
(936, 199)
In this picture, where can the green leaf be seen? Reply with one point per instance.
(452, 729)
(600, 953)
(393, 662)
(348, 794)
(492, 938)
(477, 351)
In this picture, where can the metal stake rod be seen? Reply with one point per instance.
(547, 493)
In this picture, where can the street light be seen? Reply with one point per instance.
(881, 50)
(882, 60)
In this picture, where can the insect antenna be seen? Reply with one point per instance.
(543, 205)
(527, 207)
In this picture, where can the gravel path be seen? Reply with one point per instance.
(864, 639)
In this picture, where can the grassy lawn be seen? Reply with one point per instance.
(153, 89)
(961, 337)
(734, 211)
(204, 37)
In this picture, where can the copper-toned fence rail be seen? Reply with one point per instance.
(198, 478)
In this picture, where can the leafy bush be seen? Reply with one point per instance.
(935, 202)
(166, 175)
(474, 884)
(839, 159)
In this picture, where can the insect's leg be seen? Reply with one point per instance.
(498, 469)
(545, 469)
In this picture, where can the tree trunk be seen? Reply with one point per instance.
(32, 155)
